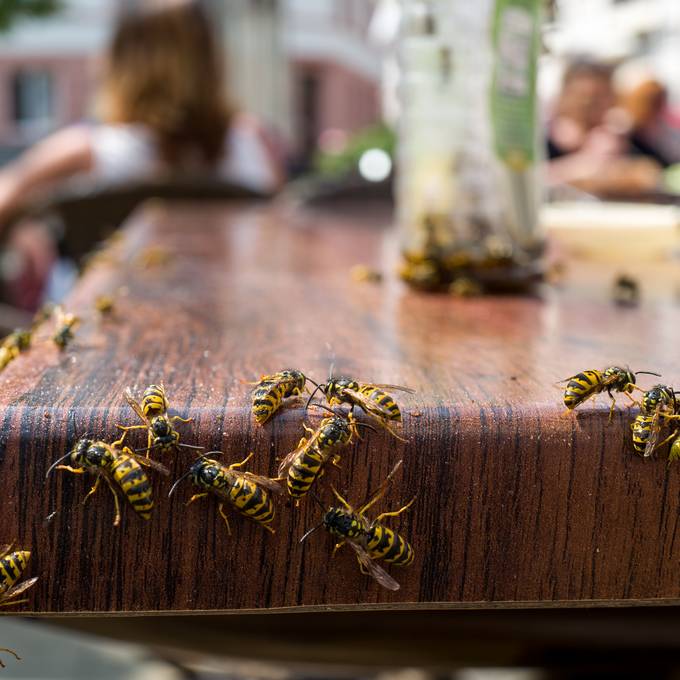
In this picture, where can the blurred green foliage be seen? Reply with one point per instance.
(346, 161)
(12, 10)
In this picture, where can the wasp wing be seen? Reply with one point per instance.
(135, 406)
(378, 573)
(19, 588)
(654, 431)
(304, 445)
(6, 549)
(385, 386)
(260, 480)
(370, 406)
(147, 462)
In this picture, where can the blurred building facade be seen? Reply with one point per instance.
(301, 66)
(46, 71)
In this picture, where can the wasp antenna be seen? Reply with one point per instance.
(56, 462)
(310, 532)
(146, 448)
(311, 381)
(311, 396)
(325, 408)
(177, 483)
(368, 425)
(318, 501)
(658, 375)
(211, 453)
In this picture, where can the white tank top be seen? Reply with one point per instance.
(125, 153)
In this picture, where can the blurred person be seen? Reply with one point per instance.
(654, 129)
(163, 112)
(587, 141)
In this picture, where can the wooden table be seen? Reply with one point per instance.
(516, 505)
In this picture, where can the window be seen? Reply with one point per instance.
(32, 101)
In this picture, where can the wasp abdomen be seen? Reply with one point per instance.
(251, 500)
(642, 429)
(304, 471)
(581, 387)
(382, 399)
(154, 401)
(11, 568)
(134, 483)
(385, 544)
(266, 400)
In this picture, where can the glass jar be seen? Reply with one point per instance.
(468, 144)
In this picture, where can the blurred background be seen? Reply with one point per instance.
(312, 88)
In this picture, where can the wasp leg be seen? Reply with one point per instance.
(75, 471)
(340, 498)
(195, 497)
(183, 420)
(116, 519)
(611, 410)
(396, 513)
(243, 462)
(665, 441)
(94, 488)
(11, 602)
(224, 517)
(6, 550)
(335, 460)
(393, 433)
(337, 547)
(131, 427)
(119, 442)
(9, 651)
(271, 530)
(362, 568)
(307, 429)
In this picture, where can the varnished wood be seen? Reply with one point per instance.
(517, 505)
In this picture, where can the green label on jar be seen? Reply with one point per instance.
(515, 41)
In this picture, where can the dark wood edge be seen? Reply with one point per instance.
(384, 607)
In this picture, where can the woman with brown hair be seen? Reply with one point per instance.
(163, 111)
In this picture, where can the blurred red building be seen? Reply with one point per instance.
(302, 66)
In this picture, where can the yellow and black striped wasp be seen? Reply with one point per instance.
(583, 386)
(121, 469)
(246, 492)
(303, 466)
(371, 540)
(16, 342)
(657, 407)
(370, 397)
(66, 324)
(271, 390)
(12, 566)
(159, 426)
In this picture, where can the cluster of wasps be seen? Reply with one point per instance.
(659, 406)
(123, 469)
(20, 340)
(301, 469)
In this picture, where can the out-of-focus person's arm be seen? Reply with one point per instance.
(58, 157)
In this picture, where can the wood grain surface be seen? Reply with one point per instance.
(516, 504)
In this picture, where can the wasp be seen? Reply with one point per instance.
(104, 304)
(657, 405)
(303, 466)
(246, 492)
(370, 397)
(12, 566)
(66, 324)
(587, 384)
(271, 390)
(371, 540)
(153, 413)
(120, 468)
(16, 342)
